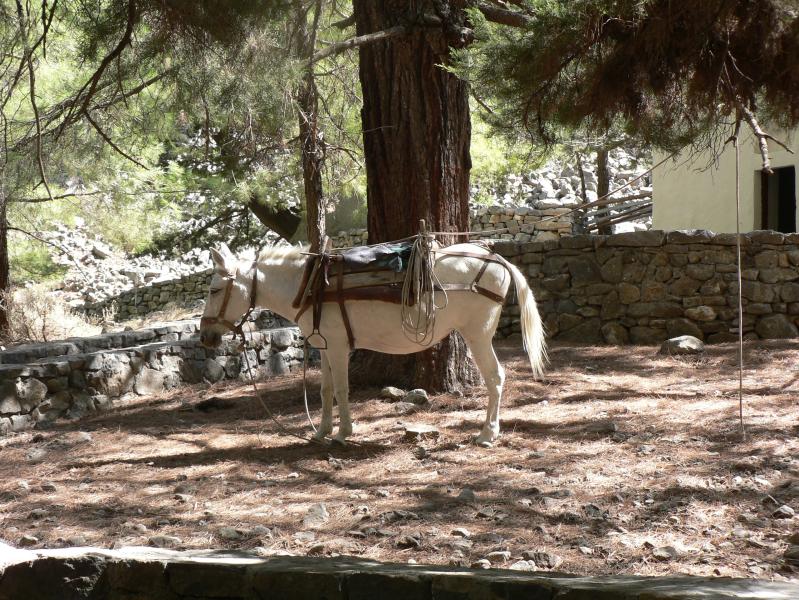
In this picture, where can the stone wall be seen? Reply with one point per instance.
(639, 287)
(644, 287)
(524, 224)
(42, 382)
(143, 300)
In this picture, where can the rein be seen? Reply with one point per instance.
(238, 331)
(236, 328)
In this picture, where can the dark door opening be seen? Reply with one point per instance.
(778, 200)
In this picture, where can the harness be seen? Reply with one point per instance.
(236, 328)
(373, 283)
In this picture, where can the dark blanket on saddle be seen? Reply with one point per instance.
(391, 256)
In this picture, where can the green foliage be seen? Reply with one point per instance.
(662, 71)
(31, 261)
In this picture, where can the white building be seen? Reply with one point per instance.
(687, 194)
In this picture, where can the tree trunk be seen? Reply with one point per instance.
(416, 135)
(312, 162)
(4, 266)
(311, 140)
(603, 183)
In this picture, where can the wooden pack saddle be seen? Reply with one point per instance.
(371, 273)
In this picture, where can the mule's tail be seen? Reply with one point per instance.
(532, 325)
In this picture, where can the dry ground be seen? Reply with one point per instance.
(674, 473)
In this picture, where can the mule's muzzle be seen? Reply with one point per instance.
(210, 338)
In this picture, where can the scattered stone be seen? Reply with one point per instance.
(417, 396)
(316, 516)
(36, 455)
(28, 540)
(784, 512)
(183, 498)
(82, 437)
(38, 513)
(405, 408)
(467, 496)
(304, 537)
(392, 393)
(585, 550)
(665, 553)
(413, 540)
(791, 555)
(523, 565)
(416, 433)
(483, 563)
(76, 541)
(543, 560)
(165, 541)
(382, 493)
(682, 345)
(606, 426)
(392, 516)
(498, 556)
(231, 534)
(461, 532)
(137, 527)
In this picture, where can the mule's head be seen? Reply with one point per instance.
(228, 298)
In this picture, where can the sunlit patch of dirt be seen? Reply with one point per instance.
(617, 454)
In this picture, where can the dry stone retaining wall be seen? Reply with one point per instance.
(549, 221)
(646, 286)
(639, 287)
(143, 300)
(42, 382)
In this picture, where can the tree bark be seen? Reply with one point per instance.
(416, 135)
(4, 266)
(603, 183)
(312, 143)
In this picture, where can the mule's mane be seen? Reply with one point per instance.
(281, 254)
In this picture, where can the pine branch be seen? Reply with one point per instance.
(503, 16)
(111, 143)
(762, 136)
(358, 41)
(90, 87)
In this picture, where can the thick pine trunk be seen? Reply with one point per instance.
(416, 135)
(4, 266)
(603, 183)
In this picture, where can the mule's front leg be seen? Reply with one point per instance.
(326, 425)
(339, 360)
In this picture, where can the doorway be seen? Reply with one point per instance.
(778, 200)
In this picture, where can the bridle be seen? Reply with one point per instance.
(236, 328)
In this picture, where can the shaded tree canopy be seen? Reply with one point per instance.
(665, 71)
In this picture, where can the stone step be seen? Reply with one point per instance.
(155, 574)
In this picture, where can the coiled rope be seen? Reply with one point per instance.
(419, 305)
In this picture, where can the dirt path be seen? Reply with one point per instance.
(621, 461)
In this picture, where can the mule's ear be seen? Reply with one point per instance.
(223, 260)
(225, 251)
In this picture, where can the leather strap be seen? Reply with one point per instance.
(342, 308)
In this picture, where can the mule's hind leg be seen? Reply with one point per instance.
(326, 424)
(494, 377)
(339, 361)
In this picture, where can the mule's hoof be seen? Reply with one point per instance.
(486, 440)
(339, 441)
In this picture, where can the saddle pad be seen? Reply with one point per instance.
(388, 256)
